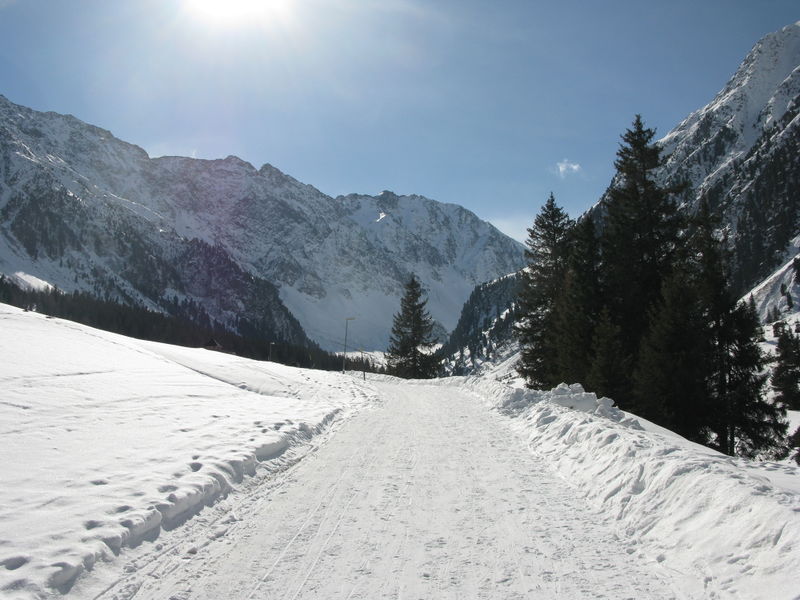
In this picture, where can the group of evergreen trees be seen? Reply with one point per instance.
(637, 306)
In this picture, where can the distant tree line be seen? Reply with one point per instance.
(187, 325)
(638, 307)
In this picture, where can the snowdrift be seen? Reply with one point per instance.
(728, 528)
(108, 440)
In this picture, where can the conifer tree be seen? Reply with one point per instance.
(794, 445)
(786, 374)
(575, 311)
(545, 253)
(748, 425)
(671, 374)
(409, 354)
(705, 262)
(700, 367)
(640, 236)
(609, 371)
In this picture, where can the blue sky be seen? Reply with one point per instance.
(490, 105)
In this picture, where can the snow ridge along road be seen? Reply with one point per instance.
(428, 495)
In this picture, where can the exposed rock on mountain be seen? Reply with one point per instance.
(741, 153)
(83, 210)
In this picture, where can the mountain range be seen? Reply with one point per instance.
(83, 210)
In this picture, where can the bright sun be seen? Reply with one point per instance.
(233, 12)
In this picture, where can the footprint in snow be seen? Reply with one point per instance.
(14, 562)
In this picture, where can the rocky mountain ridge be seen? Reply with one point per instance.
(83, 210)
(741, 154)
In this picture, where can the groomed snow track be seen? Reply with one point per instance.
(427, 496)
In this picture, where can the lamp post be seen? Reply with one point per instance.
(363, 364)
(344, 356)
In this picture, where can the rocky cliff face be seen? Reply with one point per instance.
(84, 210)
(740, 153)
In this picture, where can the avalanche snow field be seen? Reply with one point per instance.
(141, 470)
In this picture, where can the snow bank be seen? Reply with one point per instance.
(727, 529)
(108, 440)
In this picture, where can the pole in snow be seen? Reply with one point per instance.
(271, 344)
(344, 356)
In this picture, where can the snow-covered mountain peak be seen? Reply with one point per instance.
(740, 154)
(79, 204)
(768, 67)
(237, 162)
(756, 97)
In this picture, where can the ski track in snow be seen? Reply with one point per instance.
(428, 495)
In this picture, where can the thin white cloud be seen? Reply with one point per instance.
(566, 167)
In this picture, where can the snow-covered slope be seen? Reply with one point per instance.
(108, 440)
(741, 153)
(756, 98)
(485, 327)
(83, 210)
(780, 292)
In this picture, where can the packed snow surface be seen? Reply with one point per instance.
(429, 496)
(109, 440)
(140, 470)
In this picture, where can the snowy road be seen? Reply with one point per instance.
(428, 495)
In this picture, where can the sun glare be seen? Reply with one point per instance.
(236, 12)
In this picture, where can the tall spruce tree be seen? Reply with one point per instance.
(546, 256)
(576, 307)
(609, 371)
(786, 374)
(748, 424)
(409, 354)
(671, 374)
(740, 420)
(700, 368)
(702, 263)
(640, 237)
